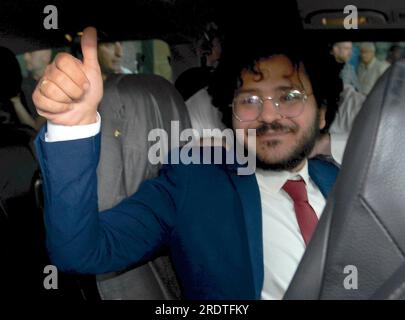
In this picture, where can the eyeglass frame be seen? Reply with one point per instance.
(275, 104)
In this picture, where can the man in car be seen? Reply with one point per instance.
(230, 236)
(110, 57)
(370, 68)
(342, 51)
(36, 62)
(192, 84)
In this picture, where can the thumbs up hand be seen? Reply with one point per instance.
(70, 90)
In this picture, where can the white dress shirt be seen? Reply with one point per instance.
(351, 104)
(283, 244)
(203, 114)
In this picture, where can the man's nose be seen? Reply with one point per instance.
(269, 112)
(118, 49)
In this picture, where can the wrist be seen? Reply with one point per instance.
(88, 119)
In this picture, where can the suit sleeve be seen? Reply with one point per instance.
(81, 239)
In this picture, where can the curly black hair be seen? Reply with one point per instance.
(321, 68)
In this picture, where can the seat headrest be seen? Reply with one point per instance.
(132, 106)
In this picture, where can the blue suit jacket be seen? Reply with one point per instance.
(207, 215)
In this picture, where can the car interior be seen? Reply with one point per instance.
(364, 217)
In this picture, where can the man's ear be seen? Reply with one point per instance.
(322, 117)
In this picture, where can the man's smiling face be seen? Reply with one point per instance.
(282, 143)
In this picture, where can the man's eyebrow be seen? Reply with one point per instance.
(239, 91)
(289, 87)
(279, 88)
(285, 87)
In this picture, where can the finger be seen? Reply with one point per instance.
(45, 104)
(50, 90)
(89, 47)
(65, 83)
(73, 68)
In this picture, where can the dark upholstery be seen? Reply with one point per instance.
(22, 240)
(393, 288)
(363, 224)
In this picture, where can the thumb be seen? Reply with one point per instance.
(89, 47)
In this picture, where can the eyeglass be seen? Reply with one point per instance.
(288, 103)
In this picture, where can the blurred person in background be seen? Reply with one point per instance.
(36, 62)
(394, 53)
(110, 55)
(13, 105)
(370, 68)
(192, 84)
(342, 51)
(209, 50)
(110, 58)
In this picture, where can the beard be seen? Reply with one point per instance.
(301, 152)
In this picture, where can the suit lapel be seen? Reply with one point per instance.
(324, 174)
(249, 194)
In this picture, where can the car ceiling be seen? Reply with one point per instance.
(384, 19)
(386, 14)
(180, 21)
(176, 21)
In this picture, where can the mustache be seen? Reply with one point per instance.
(274, 126)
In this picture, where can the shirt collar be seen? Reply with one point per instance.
(275, 180)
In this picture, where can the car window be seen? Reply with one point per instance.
(147, 57)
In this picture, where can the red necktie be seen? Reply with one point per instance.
(305, 214)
